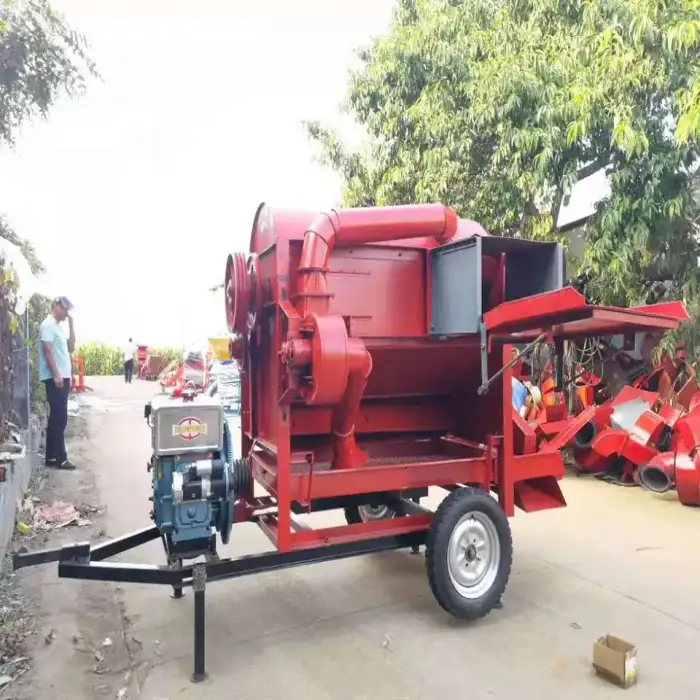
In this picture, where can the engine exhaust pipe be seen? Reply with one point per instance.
(659, 475)
(585, 436)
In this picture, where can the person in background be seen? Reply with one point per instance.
(55, 372)
(129, 361)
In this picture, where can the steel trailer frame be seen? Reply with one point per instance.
(88, 562)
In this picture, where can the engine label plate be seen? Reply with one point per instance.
(189, 428)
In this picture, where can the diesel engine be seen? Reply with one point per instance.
(195, 477)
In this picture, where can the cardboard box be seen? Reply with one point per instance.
(616, 660)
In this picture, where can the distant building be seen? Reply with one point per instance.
(579, 207)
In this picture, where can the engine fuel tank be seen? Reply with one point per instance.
(184, 426)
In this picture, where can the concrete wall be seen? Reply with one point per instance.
(18, 474)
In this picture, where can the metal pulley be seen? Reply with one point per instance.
(243, 291)
(238, 351)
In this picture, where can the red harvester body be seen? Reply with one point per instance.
(370, 342)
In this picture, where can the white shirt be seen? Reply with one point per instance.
(128, 352)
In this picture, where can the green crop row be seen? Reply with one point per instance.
(100, 359)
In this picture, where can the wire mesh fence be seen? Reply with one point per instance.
(21, 375)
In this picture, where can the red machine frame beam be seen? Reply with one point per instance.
(338, 534)
(395, 477)
(564, 312)
(311, 485)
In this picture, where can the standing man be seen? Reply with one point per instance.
(129, 361)
(55, 371)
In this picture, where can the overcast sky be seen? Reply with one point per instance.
(135, 193)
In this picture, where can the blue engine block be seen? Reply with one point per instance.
(192, 520)
(193, 498)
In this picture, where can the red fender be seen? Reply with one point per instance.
(617, 442)
(670, 414)
(688, 479)
(630, 393)
(686, 443)
(648, 427)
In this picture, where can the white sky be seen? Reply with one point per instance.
(135, 193)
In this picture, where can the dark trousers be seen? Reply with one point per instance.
(128, 371)
(58, 419)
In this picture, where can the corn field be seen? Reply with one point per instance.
(101, 359)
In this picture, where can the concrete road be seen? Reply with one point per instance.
(616, 561)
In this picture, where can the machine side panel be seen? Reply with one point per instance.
(380, 290)
(411, 389)
(455, 289)
(255, 421)
(263, 422)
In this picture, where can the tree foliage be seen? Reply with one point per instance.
(101, 359)
(38, 309)
(499, 107)
(25, 246)
(41, 56)
(685, 37)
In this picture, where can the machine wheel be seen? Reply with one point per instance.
(363, 514)
(469, 554)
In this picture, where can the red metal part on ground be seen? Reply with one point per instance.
(152, 367)
(345, 392)
(660, 450)
(657, 450)
(141, 357)
(77, 379)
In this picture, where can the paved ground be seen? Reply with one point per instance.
(616, 561)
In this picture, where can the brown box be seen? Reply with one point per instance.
(616, 660)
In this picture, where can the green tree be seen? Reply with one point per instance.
(684, 38)
(499, 108)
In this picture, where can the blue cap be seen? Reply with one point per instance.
(65, 302)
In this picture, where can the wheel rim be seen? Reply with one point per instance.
(375, 512)
(473, 555)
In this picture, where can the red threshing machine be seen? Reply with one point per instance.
(375, 349)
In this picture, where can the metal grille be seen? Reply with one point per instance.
(21, 396)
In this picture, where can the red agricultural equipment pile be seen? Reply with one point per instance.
(149, 367)
(645, 432)
(77, 379)
(193, 369)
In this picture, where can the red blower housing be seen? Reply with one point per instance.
(373, 347)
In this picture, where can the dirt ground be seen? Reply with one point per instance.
(616, 561)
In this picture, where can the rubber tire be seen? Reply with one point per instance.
(446, 518)
(352, 515)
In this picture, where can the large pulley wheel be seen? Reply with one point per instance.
(368, 513)
(243, 292)
(469, 554)
(226, 519)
